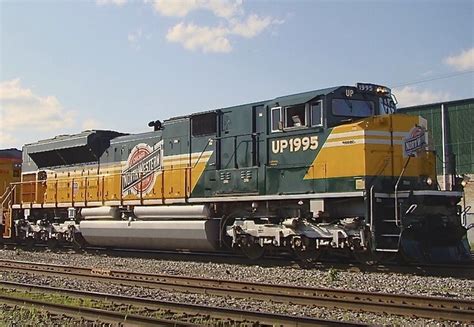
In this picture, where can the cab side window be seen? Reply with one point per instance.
(295, 116)
(316, 109)
(276, 119)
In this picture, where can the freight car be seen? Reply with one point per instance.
(10, 170)
(329, 171)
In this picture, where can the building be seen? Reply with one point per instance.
(456, 119)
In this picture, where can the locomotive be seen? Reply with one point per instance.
(335, 171)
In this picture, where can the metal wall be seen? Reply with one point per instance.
(460, 140)
(460, 131)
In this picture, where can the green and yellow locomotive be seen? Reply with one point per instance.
(334, 170)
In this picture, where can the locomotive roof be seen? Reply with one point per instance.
(83, 147)
(10, 153)
(72, 140)
(286, 100)
(135, 137)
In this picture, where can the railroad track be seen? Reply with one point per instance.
(406, 305)
(465, 270)
(439, 270)
(148, 307)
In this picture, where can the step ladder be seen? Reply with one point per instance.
(6, 211)
(387, 236)
(385, 227)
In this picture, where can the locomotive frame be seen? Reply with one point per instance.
(331, 170)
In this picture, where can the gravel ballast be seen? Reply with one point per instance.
(217, 301)
(373, 282)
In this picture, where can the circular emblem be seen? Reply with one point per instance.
(139, 173)
(136, 157)
(415, 141)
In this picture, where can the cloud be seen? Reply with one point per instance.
(90, 124)
(111, 2)
(253, 25)
(411, 96)
(207, 39)
(216, 39)
(462, 61)
(181, 8)
(135, 38)
(7, 140)
(22, 111)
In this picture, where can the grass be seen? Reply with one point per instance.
(27, 316)
(32, 316)
(333, 274)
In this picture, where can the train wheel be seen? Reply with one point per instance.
(52, 244)
(78, 242)
(368, 257)
(304, 249)
(251, 249)
(253, 252)
(29, 243)
(228, 221)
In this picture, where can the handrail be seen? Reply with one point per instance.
(464, 214)
(371, 226)
(100, 178)
(202, 152)
(8, 196)
(5, 193)
(396, 190)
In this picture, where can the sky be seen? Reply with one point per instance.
(68, 66)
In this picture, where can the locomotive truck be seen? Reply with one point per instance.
(334, 171)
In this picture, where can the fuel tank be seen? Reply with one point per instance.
(172, 212)
(100, 213)
(197, 235)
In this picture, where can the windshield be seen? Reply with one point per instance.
(387, 106)
(352, 108)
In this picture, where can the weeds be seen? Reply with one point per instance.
(333, 274)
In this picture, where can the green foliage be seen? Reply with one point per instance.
(333, 274)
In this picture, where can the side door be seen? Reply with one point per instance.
(238, 151)
(203, 154)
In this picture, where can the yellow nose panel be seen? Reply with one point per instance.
(372, 147)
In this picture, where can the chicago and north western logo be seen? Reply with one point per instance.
(415, 141)
(141, 169)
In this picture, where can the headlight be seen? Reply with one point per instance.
(429, 181)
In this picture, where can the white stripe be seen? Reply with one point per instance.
(405, 194)
(278, 197)
(346, 134)
(194, 155)
(360, 141)
(401, 134)
(365, 133)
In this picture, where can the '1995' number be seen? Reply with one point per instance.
(295, 144)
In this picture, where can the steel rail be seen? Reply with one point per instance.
(93, 314)
(173, 307)
(407, 305)
(462, 270)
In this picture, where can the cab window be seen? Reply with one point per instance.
(295, 116)
(352, 108)
(316, 109)
(276, 118)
